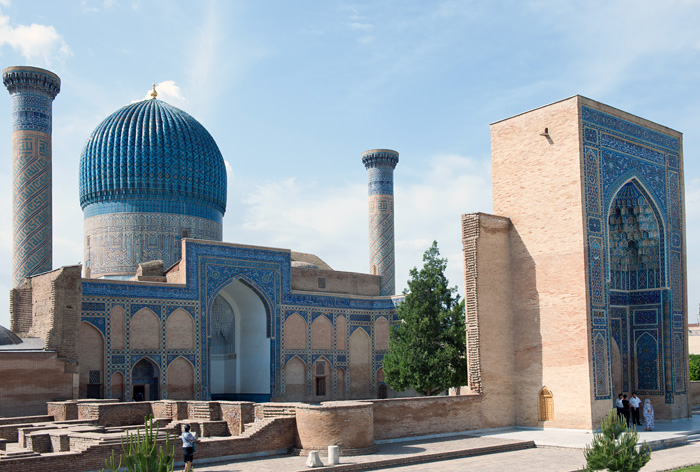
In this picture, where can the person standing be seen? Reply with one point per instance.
(618, 406)
(626, 409)
(648, 415)
(635, 402)
(188, 440)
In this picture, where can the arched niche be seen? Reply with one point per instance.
(145, 377)
(180, 382)
(118, 386)
(295, 333)
(145, 330)
(321, 379)
(295, 380)
(381, 334)
(546, 405)
(91, 357)
(179, 330)
(360, 364)
(322, 333)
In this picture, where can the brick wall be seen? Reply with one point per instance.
(30, 379)
(537, 183)
(406, 417)
(348, 425)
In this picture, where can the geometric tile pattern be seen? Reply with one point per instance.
(633, 210)
(380, 165)
(116, 243)
(32, 92)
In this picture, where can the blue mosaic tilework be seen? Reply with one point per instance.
(31, 204)
(118, 359)
(619, 326)
(632, 187)
(627, 129)
(183, 206)
(590, 135)
(32, 91)
(647, 356)
(380, 165)
(646, 316)
(672, 159)
(600, 361)
(631, 148)
(97, 322)
(116, 243)
(151, 149)
(87, 306)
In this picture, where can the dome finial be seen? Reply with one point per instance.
(154, 94)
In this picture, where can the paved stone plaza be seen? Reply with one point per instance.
(557, 450)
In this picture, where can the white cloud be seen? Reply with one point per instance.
(360, 26)
(37, 43)
(167, 91)
(229, 169)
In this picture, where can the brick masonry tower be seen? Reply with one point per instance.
(380, 165)
(32, 91)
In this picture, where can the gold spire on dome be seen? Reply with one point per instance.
(154, 94)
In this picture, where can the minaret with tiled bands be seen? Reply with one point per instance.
(32, 92)
(380, 165)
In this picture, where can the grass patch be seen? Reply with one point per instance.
(695, 468)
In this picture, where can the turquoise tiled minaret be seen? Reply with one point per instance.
(32, 91)
(380, 165)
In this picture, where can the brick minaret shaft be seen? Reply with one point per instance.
(32, 91)
(380, 165)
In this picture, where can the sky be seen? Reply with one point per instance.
(294, 92)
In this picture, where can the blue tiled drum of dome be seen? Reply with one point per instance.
(150, 175)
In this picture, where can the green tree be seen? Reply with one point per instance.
(427, 347)
(694, 361)
(141, 452)
(614, 447)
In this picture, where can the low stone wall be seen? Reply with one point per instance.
(694, 394)
(420, 416)
(276, 436)
(115, 414)
(237, 414)
(27, 419)
(63, 411)
(346, 424)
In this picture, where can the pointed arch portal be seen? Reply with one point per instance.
(638, 289)
(240, 344)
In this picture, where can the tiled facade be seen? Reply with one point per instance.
(210, 267)
(634, 214)
(33, 91)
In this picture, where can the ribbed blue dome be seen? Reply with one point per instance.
(150, 150)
